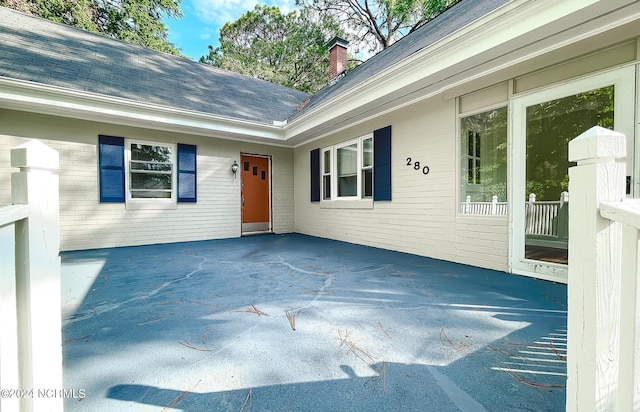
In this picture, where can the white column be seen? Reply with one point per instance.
(38, 273)
(594, 271)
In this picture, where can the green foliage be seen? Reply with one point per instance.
(550, 127)
(377, 24)
(489, 129)
(288, 49)
(134, 21)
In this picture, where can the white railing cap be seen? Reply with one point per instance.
(35, 154)
(627, 211)
(596, 143)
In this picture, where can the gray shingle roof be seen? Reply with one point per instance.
(37, 50)
(452, 20)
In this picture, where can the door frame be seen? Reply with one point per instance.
(270, 199)
(624, 79)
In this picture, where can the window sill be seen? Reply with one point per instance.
(470, 217)
(347, 204)
(150, 205)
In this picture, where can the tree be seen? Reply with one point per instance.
(377, 24)
(133, 21)
(484, 155)
(288, 49)
(551, 126)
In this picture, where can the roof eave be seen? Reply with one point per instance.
(57, 101)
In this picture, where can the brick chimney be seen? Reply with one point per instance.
(337, 56)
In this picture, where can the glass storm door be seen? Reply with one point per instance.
(544, 124)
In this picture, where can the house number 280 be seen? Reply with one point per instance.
(416, 166)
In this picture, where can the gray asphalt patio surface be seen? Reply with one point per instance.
(209, 326)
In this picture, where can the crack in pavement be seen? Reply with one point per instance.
(99, 310)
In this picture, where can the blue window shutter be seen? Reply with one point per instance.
(382, 164)
(187, 182)
(315, 175)
(111, 168)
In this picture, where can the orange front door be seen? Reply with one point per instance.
(256, 197)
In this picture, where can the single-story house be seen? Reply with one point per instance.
(452, 143)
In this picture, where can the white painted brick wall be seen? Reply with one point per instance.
(422, 217)
(282, 190)
(85, 223)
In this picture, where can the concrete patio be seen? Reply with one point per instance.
(210, 326)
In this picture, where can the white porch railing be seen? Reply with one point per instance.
(603, 361)
(542, 216)
(30, 310)
(546, 221)
(484, 208)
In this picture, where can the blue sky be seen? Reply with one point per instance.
(202, 20)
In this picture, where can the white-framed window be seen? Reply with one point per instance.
(150, 172)
(347, 170)
(367, 167)
(146, 174)
(326, 173)
(484, 159)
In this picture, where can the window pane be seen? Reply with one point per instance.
(326, 175)
(348, 186)
(550, 127)
(150, 181)
(326, 187)
(348, 160)
(150, 166)
(150, 153)
(484, 158)
(367, 153)
(367, 183)
(348, 170)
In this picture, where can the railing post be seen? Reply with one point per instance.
(530, 214)
(594, 271)
(561, 222)
(494, 205)
(38, 274)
